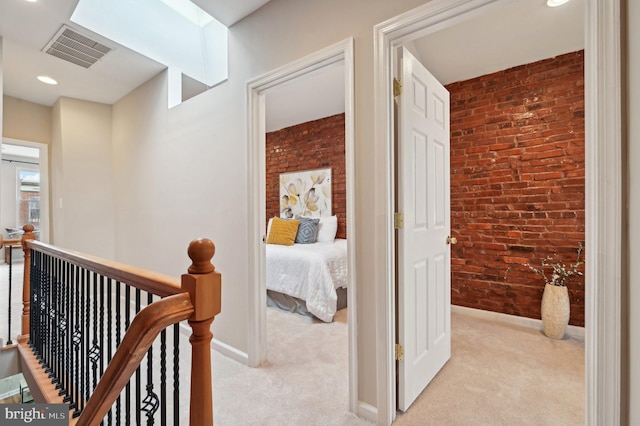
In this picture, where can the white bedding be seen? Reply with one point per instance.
(311, 272)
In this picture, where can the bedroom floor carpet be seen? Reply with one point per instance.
(305, 381)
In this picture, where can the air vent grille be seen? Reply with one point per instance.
(76, 48)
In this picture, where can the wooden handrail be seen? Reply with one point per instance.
(159, 284)
(144, 329)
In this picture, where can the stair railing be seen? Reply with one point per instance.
(86, 332)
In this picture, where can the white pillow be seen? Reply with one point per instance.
(327, 229)
(269, 227)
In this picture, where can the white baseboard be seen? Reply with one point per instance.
(572, 330)
(367, 412)
(226, 350)
(230, 352)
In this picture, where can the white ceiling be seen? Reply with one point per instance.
(316, 95)
(27, 27)
(513, 33)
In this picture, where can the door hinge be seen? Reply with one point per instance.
(398, 220)
(397, 87)
(399, 352)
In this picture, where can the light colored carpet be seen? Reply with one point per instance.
(305, 381)
(498, 375)
(503, 375)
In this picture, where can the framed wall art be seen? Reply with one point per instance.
(305, 193)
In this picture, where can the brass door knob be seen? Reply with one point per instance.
(452, 240)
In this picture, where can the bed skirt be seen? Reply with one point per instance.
(293, 304)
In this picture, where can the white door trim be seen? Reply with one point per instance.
(603, 212)
(603, 118)
(341, 51)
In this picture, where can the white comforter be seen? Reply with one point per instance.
(311, 272)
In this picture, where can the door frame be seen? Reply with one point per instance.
(603, 194)
(43, 165)
(256, 88)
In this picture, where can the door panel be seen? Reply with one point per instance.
(424, 279)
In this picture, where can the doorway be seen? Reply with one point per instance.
(26, 162)
(602, 124)
(257, 90)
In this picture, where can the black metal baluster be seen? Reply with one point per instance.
(73, 348)
(101, 325)
(176, 374)
(94, 352)
(62, 328)
(118, 319)
(63, 376)
(55, 327)
(49, 328)
(77, 340)
(44, 301)
(163, 377)
(150, 402)
(57, 371)
(33, 288)
(50, 319)
(109, 346)
(127, 313)
(138, 379)
(9, 342)
(36, 303)
(86, 312)
(48, 298)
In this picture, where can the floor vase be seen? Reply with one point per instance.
(555, 310)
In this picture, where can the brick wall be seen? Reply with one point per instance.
(517, 183)
(313, 145)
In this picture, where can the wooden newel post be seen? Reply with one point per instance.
(26, 283)
(204, 285)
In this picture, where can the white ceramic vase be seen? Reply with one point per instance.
(555, 310)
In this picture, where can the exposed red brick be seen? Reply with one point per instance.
(313, 145)
(517, 183)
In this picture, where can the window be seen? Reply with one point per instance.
(28, 197)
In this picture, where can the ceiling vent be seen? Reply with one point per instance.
(76, 48)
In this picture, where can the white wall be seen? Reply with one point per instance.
(633, 71)
(26, 121)
(82, 177)
(182, 173)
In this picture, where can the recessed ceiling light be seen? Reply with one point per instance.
(47, 80)
(31, 1)
(554, 3)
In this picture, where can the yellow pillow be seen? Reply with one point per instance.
(283, 232)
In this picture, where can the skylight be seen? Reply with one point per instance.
(190, 11)
(176, 33)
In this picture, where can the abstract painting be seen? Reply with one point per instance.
(305, 193)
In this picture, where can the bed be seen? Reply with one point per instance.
(310, 279)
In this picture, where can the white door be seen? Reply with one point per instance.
(424, 260)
